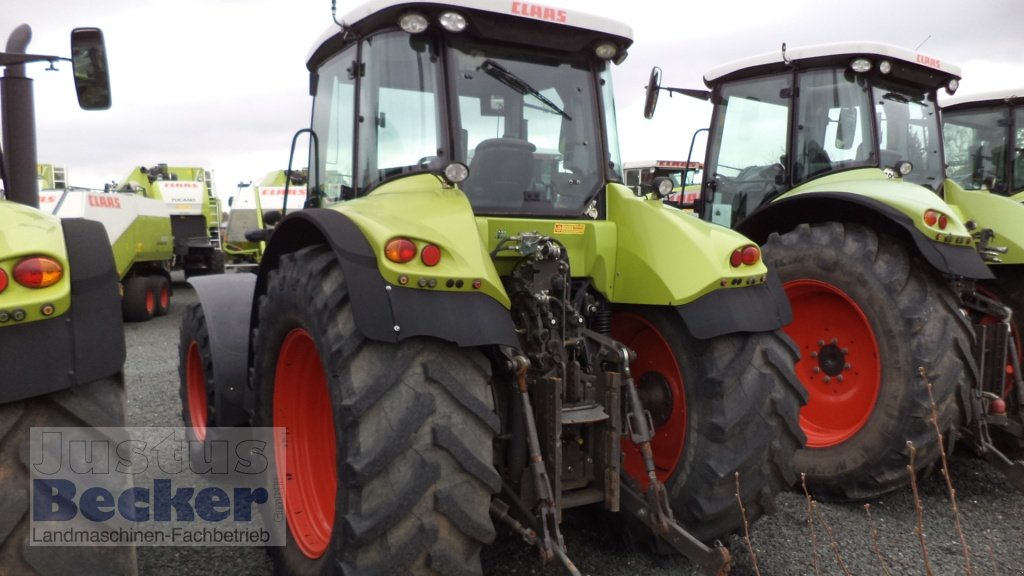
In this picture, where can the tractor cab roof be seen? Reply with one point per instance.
(992, 98)
(907, 65)
(512, 22)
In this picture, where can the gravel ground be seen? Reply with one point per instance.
(991, 512)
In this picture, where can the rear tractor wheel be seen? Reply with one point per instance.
(721, 407)
(138, 303)
(389, 446)
(867, 314)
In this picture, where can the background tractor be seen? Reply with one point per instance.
(685, 176)
(984, 151)
(478, 321)
(195, 212)
(61, 337)
(831, 157)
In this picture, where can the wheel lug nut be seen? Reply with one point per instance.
(839, 378)
(847, 366)
(816, 370)
(834, 341)
(814, 354)
(827, 379)
(845, 351)
(821, 342)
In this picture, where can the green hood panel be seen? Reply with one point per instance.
(1002, 215)
(910, 199)
(26, 231)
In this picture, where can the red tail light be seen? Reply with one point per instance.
(38, 272)
(933, 218)
(3, 280)
(747, 255)
(400, 250)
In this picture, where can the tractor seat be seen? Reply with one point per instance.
(500, 172)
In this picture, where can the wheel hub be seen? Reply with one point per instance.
(656, 396)
(831, 359)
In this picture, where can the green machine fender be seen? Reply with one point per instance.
(382, 310)
(84, 343)
(1004, 216)
(665, 256)
(785, 213)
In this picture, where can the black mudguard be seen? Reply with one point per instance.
(227, 305)
(758, 308)
(784, 215)
(382, 311)
(84, 345)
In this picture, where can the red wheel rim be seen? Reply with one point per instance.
(195, 389)
(165, 296)
(150, 302)
(309, 480)
(655, 363)
(840, 364)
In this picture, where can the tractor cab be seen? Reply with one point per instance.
(984, 139)
(852, 111)
(418, 87)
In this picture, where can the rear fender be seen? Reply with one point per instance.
(227, 301)
(785, 214)
(998, 213)
(384, 311)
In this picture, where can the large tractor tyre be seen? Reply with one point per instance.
(138, 304)
(389, 446)
(98, 404)
(161, 288)
(195, 372)
(216, 262)
(1008, 288)
(867, 315)
(721, 407)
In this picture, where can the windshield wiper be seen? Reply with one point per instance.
(516, 83)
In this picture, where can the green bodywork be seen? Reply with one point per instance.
(26, 231)
(632, 257)
(910, 199)
(1004, 216)
(147, 240)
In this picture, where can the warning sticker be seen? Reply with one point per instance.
(567, 228)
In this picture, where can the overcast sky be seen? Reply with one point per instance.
(222, 83)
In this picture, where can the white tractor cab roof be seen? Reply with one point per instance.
(544, 26)
(886, 59)
(1004, 96)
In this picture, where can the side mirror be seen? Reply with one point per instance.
(89, 62)
(272, 217)
(846, 130)
(653, 87)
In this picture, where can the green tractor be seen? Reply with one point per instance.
(195, 212)
(62, 344)
(984, 151)
(476, 321)
(831, 158)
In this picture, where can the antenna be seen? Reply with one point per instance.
(334, 13)
(922, 43)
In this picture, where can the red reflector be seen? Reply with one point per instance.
(751, 255)
(400, 250)
(3, 280)
(430, 255)
(38, 272)
(943, 222)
